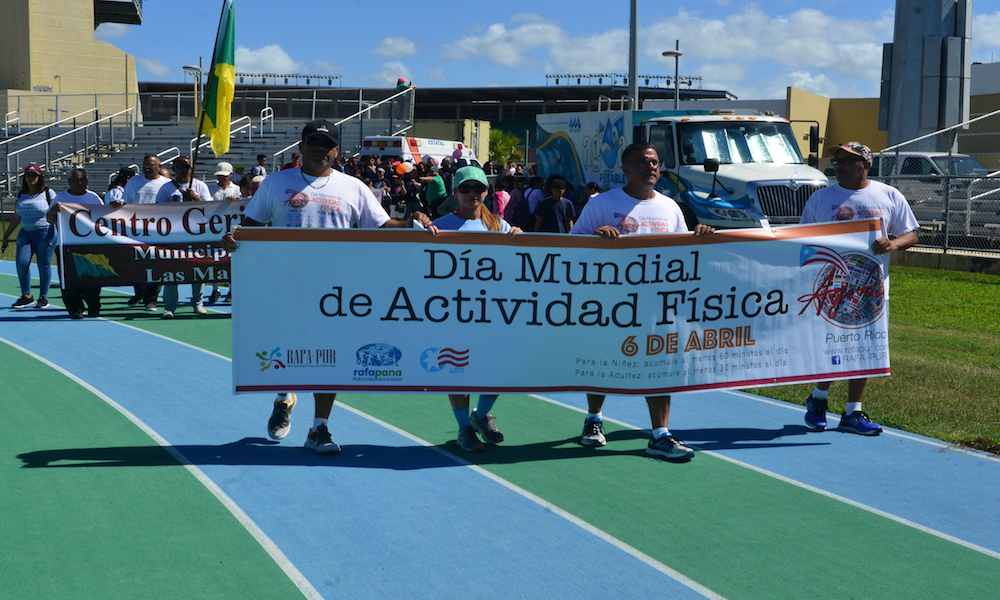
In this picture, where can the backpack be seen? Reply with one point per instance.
(522, 213)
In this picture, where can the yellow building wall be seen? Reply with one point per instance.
(855, 120)
(59, 51)
(807, 106)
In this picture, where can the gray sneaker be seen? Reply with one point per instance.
(279, 423)
(320, 441)
(593, 434)
(486, 428)
(468, 441)
(670, 448)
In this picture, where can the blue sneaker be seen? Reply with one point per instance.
(816, 413)
(858, 422)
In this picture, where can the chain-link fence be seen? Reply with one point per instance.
(951, 179)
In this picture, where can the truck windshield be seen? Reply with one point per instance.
(737, 142)
(961, 165)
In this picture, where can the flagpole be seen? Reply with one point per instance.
(201, 117)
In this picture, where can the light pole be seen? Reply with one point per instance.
(676, 55)
(198, 73)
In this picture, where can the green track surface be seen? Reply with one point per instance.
(148, 531)
(130, 532)
(739, 533)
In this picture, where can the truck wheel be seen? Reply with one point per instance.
(689, 217)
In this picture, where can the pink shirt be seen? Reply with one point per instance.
(500, 200)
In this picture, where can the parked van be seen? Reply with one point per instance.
(415, 150)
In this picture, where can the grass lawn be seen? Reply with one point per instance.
(944, 346)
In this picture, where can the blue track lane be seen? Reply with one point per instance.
(391, 518)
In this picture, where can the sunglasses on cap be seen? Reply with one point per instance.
(466, 188)
(846, 160)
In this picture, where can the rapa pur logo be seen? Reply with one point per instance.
(378, 362)
(270, 360)
(848, 290)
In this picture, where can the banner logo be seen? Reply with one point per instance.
(378, 355)
(848, 291)
(436, 359)
(92, 265)
(270, 360)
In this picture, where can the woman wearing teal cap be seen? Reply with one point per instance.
(471, 186)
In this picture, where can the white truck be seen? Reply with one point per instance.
(724, 169)
(415, 150)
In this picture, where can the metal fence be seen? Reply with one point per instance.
(951, 179)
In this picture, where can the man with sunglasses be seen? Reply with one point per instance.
(319, 196)
(183, 188)
(857, 197)
(633, 209)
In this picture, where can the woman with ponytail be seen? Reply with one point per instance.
(471, 187)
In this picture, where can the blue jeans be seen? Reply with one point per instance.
(170, 295)
(40, 245)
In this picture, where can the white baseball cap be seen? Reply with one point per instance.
(223, 168)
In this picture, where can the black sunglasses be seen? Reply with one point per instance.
(320, 142)
(465, 189)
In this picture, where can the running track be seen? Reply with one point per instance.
(130, 470)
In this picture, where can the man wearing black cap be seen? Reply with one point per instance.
(857, 197)
(116, 190)
(316, 195)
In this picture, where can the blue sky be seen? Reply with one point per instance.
(754, 50)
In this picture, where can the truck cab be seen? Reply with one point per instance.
(724, 169)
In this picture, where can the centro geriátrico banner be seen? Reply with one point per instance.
(145, 244)
(393, 310)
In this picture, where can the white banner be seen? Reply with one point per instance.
(394, 310)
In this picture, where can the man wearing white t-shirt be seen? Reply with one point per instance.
(183, 188)
(857, 197)
(636, 208)
(224, 188)
(74, 299)
(143, 190)
(315, 195)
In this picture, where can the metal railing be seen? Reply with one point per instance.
(266, 114)
(92, 142)
(279, 156)
(247, 126)
(11, 117)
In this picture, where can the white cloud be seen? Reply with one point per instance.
(507, 47)
(396, 47)
(437, 74)
(154, 66)
(594, 54)
(986, 31)
(325, 67)
(389, 73)
(269, 59)
(111, 31)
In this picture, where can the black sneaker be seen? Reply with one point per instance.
(320, 441)
(486, 428)
(215, 296)
(77, 314)
(593, 434)
(43, 302)
(135, 300)
(23, 302)
(279, 423)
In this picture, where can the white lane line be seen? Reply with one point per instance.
(806, 486)
(617, 543)
(269, 546)
(892, 432)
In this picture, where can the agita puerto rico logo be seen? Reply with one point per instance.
(848, 291)
(270, 360)
(437, 359)
(378, 362)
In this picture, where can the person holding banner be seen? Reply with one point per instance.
(315, 195)
(183, 188)
(634, 209)
(471, 188)
(143, 190)
(857, 197)
(77, 193)
(36, 237)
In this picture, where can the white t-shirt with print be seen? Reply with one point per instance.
(874, 201)
(660, 214)
(230, 192)
(140, 190)
(291, 198)
(87, 197)
(172, 193)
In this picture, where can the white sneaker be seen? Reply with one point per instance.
(167, 314)
(593, 434)
(198, 308)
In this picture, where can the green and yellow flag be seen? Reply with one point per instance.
(216, 112)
